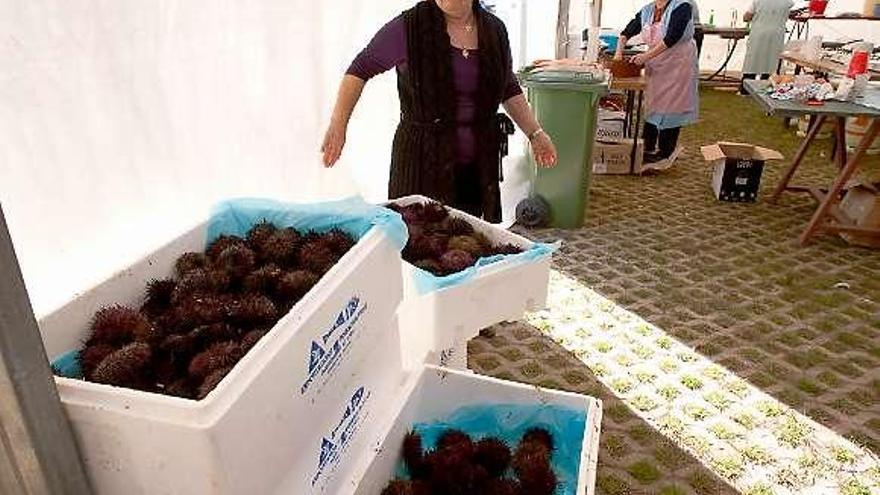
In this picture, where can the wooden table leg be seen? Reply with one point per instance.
(799, 157)
(840, 144)
(840, 182)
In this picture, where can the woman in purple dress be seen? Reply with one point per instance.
(453, 69)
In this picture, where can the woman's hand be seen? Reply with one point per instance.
(334, 142)
(543, 149)
(618, 54)
(640, 59)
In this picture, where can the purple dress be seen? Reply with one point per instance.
(388, 50)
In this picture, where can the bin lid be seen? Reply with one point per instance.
(563, 78)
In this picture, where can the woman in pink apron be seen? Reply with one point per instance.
(667, 27)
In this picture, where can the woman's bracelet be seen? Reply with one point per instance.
(535, 134)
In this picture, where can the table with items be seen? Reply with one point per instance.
(828, 217)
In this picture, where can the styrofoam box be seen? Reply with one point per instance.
(453, 358)
(267, 418)
(435, 393)
(500, 292)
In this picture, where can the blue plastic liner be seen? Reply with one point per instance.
(353, 215)
(67, 365)
(238, 216)
(426, 282)
(508, 422)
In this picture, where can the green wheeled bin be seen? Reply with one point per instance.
(566, 103)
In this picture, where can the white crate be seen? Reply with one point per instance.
(455, 357)
(435, 393)
(262, 422)
(500, 292)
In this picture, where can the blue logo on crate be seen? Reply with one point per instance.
(333, 444)
(327, 353)
(315, 356)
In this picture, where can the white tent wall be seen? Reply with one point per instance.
(617, 14)
(123, 121)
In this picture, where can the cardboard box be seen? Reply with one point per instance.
(615, 157)
(862, 205)
(610, 125)
(738, 169)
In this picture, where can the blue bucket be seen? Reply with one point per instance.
(610, 40)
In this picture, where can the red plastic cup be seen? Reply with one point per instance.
(817, 7)
(858, 65)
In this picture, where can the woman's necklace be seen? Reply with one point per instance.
(468, 28)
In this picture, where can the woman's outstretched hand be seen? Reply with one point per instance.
(334, 142)
(544, 150)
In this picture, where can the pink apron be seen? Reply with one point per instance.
(672, 79)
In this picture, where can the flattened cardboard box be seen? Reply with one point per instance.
(738, 169)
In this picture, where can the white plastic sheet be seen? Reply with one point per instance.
(124, 120)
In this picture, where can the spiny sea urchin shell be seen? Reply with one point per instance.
(188, 262)
(316, 257)
(468, 244)
(252, 310)
(456, 439)
(116, 325)
(426, 247)
(434, 212)
(456, 261)
(502, 486)
(215, 332)
(251, 338)
(259, 234)
(430, 266)
(458, 226)
(202, 310)
(338, 241)
(124, 367)
(200, 282)
(180, 388)
(158, 296)
(237, 261)
(281, 247)
(506, 249)
(263, 280)
(294, 285)
(414, 455)
(540, 436)
(217, 356)
(222, 243)
(537, 479)
(492, 454)
(211, 381)
(91, 356)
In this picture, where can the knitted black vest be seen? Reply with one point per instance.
(423, 157)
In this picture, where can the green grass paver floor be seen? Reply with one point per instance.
(795, 331)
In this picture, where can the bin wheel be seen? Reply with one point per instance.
(533, 212)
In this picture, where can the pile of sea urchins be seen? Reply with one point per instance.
(194, 327)
(443, 244)
(461, 466)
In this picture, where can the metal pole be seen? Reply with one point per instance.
(562, 29)
(38, 454)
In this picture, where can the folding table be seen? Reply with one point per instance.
(828, 218)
